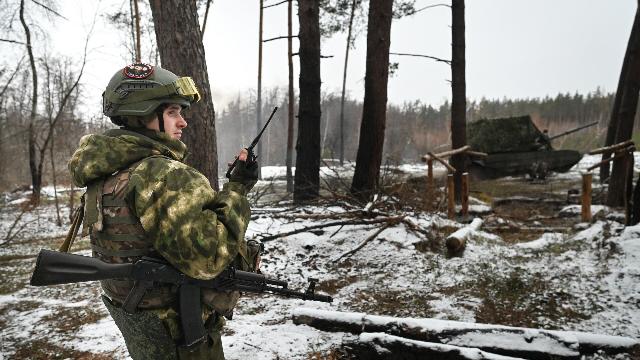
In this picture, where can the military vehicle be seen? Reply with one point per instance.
(515, 146)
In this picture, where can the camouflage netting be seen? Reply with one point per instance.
(513, 134)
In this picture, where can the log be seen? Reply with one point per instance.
(457, 241)
(618, 154)
(448, 153)
(477, 154)
(611, 148)
(504, 340)
(450, 168)
(387, 347)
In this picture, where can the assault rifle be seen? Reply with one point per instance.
(251, 157)
(53, 268)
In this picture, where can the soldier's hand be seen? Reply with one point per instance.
(246, 171)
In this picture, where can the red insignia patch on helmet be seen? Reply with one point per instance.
(138, 71)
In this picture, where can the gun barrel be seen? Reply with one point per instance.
(573, 130)
(53, 268)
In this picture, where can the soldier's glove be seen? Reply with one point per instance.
(245, 173)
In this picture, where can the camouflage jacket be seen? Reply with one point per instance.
(196, 229)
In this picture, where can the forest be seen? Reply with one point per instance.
(428, 126)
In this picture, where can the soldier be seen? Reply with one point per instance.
(142, 200)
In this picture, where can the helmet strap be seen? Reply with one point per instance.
(160, 115)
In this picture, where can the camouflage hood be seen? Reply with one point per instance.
(100, 155)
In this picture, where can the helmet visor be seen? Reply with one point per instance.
(187, 88)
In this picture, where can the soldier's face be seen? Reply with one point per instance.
(173, 121)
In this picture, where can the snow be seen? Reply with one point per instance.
(594, 272)
(468, 353)
(545, 240)
(576, 210)
(466, 231)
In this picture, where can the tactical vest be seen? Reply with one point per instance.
(118, 237)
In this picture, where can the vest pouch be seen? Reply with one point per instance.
(93, 208)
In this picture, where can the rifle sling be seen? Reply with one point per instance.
(138, 290)
(78, 216)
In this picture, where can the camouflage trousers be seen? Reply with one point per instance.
(155, 334)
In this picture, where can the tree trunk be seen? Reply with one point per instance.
(291, 97)
(344, 79)
(307, 177)
(614, 118)
(374, 108)
(259, 100)
(181, 51)
(55, 186)
(36, 177)
(380, 346)
(458, 90)
(137, 39)
(626, 114)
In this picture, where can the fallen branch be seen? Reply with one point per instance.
(10, 234)
(411, 226)
(506, 340)
(368, 239)
(329, 224)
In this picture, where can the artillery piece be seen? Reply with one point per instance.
(515, 146)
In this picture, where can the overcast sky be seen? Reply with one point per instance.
(515, 48)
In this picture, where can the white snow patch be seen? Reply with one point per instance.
(542, 242)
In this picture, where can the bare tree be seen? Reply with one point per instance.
(619, 183)
(354, 3)
(289, 159)
(458, 91)
(307, 177)
(369, 156)
(259, 101)
(613, 117)
(136, 20)
(181, 51)
(36, 178)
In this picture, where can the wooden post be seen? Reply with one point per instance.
(430, 174)
(430, 188)
(451, 200)
(628, 187)
(464, 192)
(586, 196)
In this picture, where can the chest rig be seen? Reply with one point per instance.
(117, 236)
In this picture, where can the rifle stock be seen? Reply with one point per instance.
(54, 268)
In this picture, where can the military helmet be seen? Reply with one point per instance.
(139, 89)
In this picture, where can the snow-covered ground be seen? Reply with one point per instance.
(586, 279)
